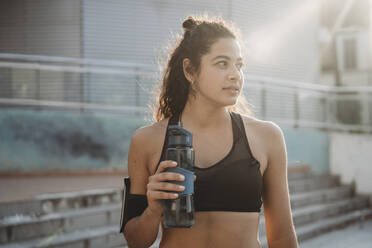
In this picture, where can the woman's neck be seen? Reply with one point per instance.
(202, 117)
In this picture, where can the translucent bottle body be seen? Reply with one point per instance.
(180, 212)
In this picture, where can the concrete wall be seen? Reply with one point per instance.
(50, 140)
(350, 157)
(134, 31)
(274, 32)
(47, 27)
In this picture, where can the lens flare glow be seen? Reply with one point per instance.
(263, 43)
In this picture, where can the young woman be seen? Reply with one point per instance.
(240, 161)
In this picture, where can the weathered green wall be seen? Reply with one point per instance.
(49, 140)
(307, 146)
(33, 140)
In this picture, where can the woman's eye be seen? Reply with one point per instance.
(222, 63)
(239, 66)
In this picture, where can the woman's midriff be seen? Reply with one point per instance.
(216, 229)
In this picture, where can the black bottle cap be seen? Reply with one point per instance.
(178, 136)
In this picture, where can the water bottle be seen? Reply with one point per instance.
(180, 212)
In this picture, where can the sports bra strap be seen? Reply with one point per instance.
(239, 121)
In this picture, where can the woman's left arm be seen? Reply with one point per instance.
(280, 230)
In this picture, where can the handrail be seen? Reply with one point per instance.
(121, 87)
(77, 61)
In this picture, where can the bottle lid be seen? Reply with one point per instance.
(178, 136)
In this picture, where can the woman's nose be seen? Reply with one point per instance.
(234, 75)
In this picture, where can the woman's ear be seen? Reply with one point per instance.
(188, 70)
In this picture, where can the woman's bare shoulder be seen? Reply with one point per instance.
(144, 142)
(267, 133)
(261, 126)
(148, 136)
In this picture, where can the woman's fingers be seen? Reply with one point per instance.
(158, 186)
(164, 186)
(161, 195)
(166, 176)
(165, 164)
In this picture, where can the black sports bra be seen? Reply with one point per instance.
(232, 184)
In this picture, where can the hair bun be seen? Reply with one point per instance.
(189, 24)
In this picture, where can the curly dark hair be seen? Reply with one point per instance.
(199, 35)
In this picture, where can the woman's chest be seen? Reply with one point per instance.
(209, 150)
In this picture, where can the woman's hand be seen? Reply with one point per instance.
(158, 187)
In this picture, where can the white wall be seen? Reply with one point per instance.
(351, 158)
(280, 36)
(361, 36)
(355, 78)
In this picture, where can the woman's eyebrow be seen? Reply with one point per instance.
(225, 57)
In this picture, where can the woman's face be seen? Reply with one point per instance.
(220, 77)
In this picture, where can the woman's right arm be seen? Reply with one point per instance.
(142, 231)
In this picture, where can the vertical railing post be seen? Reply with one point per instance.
(82, 90)
(88, 88)
(37, 81)
(365, 110)
(10, 83)
(296, 108)
(64, 86)
(369, 97)
(263, 101)
(137, 90)
(327, 108)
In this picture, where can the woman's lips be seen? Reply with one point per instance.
(231, 90)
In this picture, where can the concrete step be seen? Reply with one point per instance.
(326, 195)
(57, 202)
(19, 228)
(100, 237)
(320, 196)
(48, 203)
(76, 200)
(326, 225)
(63, 218)
(93, 203)
(312, 183)
(305, 215)
(318, 211)
(298, 172)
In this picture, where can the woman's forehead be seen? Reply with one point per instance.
(225, 47)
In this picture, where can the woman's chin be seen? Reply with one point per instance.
(230, 102)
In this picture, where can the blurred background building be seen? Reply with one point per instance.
(75, 67)
(77, 78)
(345, 43)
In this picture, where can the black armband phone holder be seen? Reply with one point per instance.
(133, 205)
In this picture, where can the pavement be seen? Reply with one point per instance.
(18, 188)
(353, 236)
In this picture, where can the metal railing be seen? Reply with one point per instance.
(310, 105)
(74, 84)
(87, 85)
